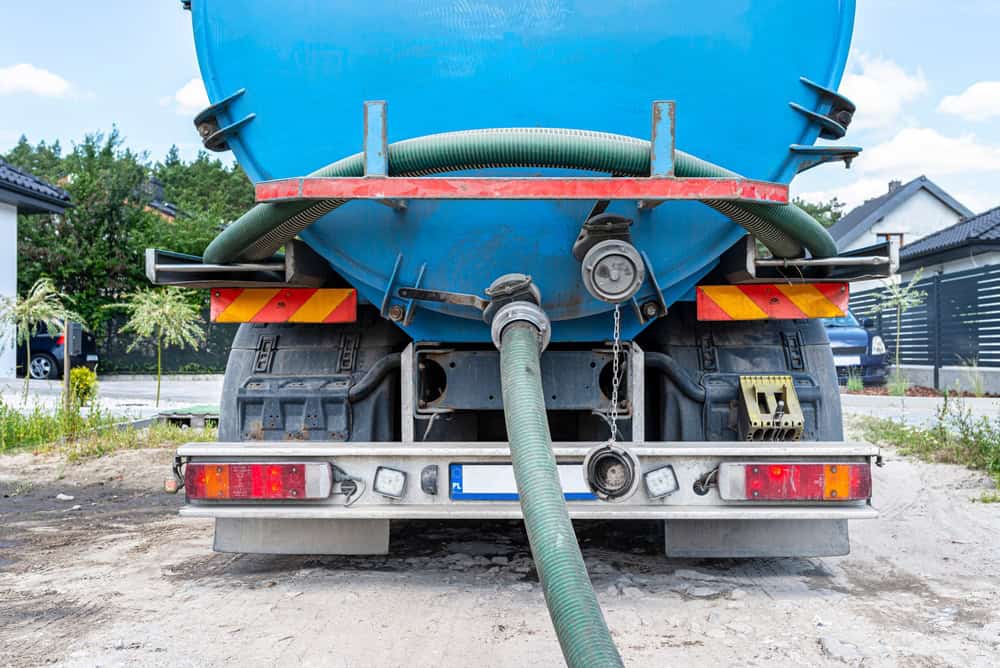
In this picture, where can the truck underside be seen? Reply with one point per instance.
(388, 429)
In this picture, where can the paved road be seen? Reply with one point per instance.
(914, 410)
(132, 397)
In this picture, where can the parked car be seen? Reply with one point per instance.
(856, 349)
(47, 355)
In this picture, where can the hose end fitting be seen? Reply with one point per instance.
(526, 312)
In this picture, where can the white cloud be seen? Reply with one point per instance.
(852, 194)
(26, 78)
(189, 100)
(964, 160)
(978, 102)
(881, 89)
(924, 150)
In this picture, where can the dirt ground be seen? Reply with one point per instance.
(114, 577)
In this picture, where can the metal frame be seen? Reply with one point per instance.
(690, 461)
(648, 192)
(741, 264)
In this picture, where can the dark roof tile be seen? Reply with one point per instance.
(982, 227)
(14, 178)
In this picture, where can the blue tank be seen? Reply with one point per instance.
(732, 66)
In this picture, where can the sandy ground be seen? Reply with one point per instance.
(114, 577)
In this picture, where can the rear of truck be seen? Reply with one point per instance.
(687, 376)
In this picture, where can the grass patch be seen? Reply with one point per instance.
(955, 437)
(854, 381)
(80, 434)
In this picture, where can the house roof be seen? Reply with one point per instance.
(861, 219)
(982, 229)
(30, 193)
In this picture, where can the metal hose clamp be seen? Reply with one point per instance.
(522, 311)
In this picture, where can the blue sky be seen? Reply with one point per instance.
(925, 75)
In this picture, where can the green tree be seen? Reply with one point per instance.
(164, 316)
(827, 213)
(43, 304)
(205, 187)
(95, 250)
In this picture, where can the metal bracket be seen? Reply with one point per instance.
(813, 156)
(769, 409)
(661, 147)
(387, 295)
(741, 265)
(841, 108)
(410, 304)
(643, 311)
(214, 137)
(377, 147)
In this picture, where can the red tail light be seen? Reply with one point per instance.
(61, 339)
(257, 481)
(771, 481)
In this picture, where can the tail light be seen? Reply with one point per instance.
(227, 482)
(772, 481)
(61, 339)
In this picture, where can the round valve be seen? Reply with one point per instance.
(613, 271)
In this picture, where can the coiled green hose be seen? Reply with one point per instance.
(576, 615)
(256, 235)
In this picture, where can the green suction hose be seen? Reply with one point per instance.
(785, 230)
(576, 615)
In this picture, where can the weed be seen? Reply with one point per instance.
(854, 382)
(898, 384)
(973, 376)
(77, 435)
(955, 437)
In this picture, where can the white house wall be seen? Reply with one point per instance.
(920, 215)
(8, 284)
(952, 266)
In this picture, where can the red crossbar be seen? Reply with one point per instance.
(624, 188)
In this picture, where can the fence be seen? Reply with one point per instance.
(209, 357)
(958, 325)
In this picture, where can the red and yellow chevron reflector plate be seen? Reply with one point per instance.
(327, 305)
(772, 301)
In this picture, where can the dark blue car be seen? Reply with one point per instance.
(856, 349)
(47, 360)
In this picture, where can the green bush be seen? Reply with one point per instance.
(82, 386)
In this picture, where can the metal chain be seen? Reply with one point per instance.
(616, 378)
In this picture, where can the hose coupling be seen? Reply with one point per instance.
(522, 311)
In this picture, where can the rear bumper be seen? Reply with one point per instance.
(871, 370)
(690, 460)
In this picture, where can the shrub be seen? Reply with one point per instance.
(82, 386)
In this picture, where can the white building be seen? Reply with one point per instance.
(20, 192)
(907, 212)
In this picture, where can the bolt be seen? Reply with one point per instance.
(650, 309)
(396, 313)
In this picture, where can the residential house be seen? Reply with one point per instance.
(907, 212)
(20, 193)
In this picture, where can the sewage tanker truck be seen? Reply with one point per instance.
(527, 259)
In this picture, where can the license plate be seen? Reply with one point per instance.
(847, 360)
(495, 482)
